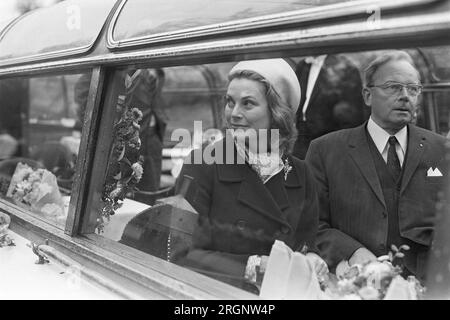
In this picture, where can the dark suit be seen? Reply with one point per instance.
(336, 101)
(352, 205)
(240, 216)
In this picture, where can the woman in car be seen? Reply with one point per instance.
(254, 192)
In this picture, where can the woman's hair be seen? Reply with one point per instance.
(281, 114)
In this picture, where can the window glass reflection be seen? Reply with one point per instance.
(174, 212)
(40, 132)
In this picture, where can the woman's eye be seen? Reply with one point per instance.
(229, 102)
(248, 103)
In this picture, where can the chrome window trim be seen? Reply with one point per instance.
(11, 24)
(49, 55)
(332, 11)
(8, 25)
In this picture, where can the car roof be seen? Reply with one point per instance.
(85, 27)
(83, 33)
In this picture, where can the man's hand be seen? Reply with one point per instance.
(361, 256)
(320, 266)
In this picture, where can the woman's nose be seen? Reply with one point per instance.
(236, 112)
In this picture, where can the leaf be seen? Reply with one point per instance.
(121, 154)
(400, 255)
(126, 180)
(383, 258)
(394, 248)
(404, 247)
(125, 159)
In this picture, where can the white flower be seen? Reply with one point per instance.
(376, 268)
(23, 186)
(369, 293)
(44, 189)
(375, 272)
(115, 193)
(346, 285)
(287, 168)
(137, 114)
(383, 258)
(351, 296)
(137, 170)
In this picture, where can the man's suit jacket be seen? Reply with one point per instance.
(240, 216)
(336, 101)
(351, 201)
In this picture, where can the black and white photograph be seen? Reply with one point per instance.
(242, 152)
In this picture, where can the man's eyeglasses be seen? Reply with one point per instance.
(397, 88)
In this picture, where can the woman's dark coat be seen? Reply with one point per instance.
(240, 216)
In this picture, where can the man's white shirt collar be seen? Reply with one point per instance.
(319, 60)
(316, 66)
(380, 137)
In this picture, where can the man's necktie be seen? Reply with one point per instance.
(393, 162)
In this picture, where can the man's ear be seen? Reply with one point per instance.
(367, 96)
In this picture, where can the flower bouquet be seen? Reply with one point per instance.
(37, 189)
(375, 280)
(125, 165)
(290, 275)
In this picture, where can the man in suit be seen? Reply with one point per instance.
(378, 183)
(330, 99)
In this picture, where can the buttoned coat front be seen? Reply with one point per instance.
(240, 216)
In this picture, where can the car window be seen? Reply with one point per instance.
(40, 133)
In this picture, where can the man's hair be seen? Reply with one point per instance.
(282, 115)
(372, 68)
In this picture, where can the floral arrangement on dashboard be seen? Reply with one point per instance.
(125, 166)
(375, 280)
(37, 189)
(292, 275)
